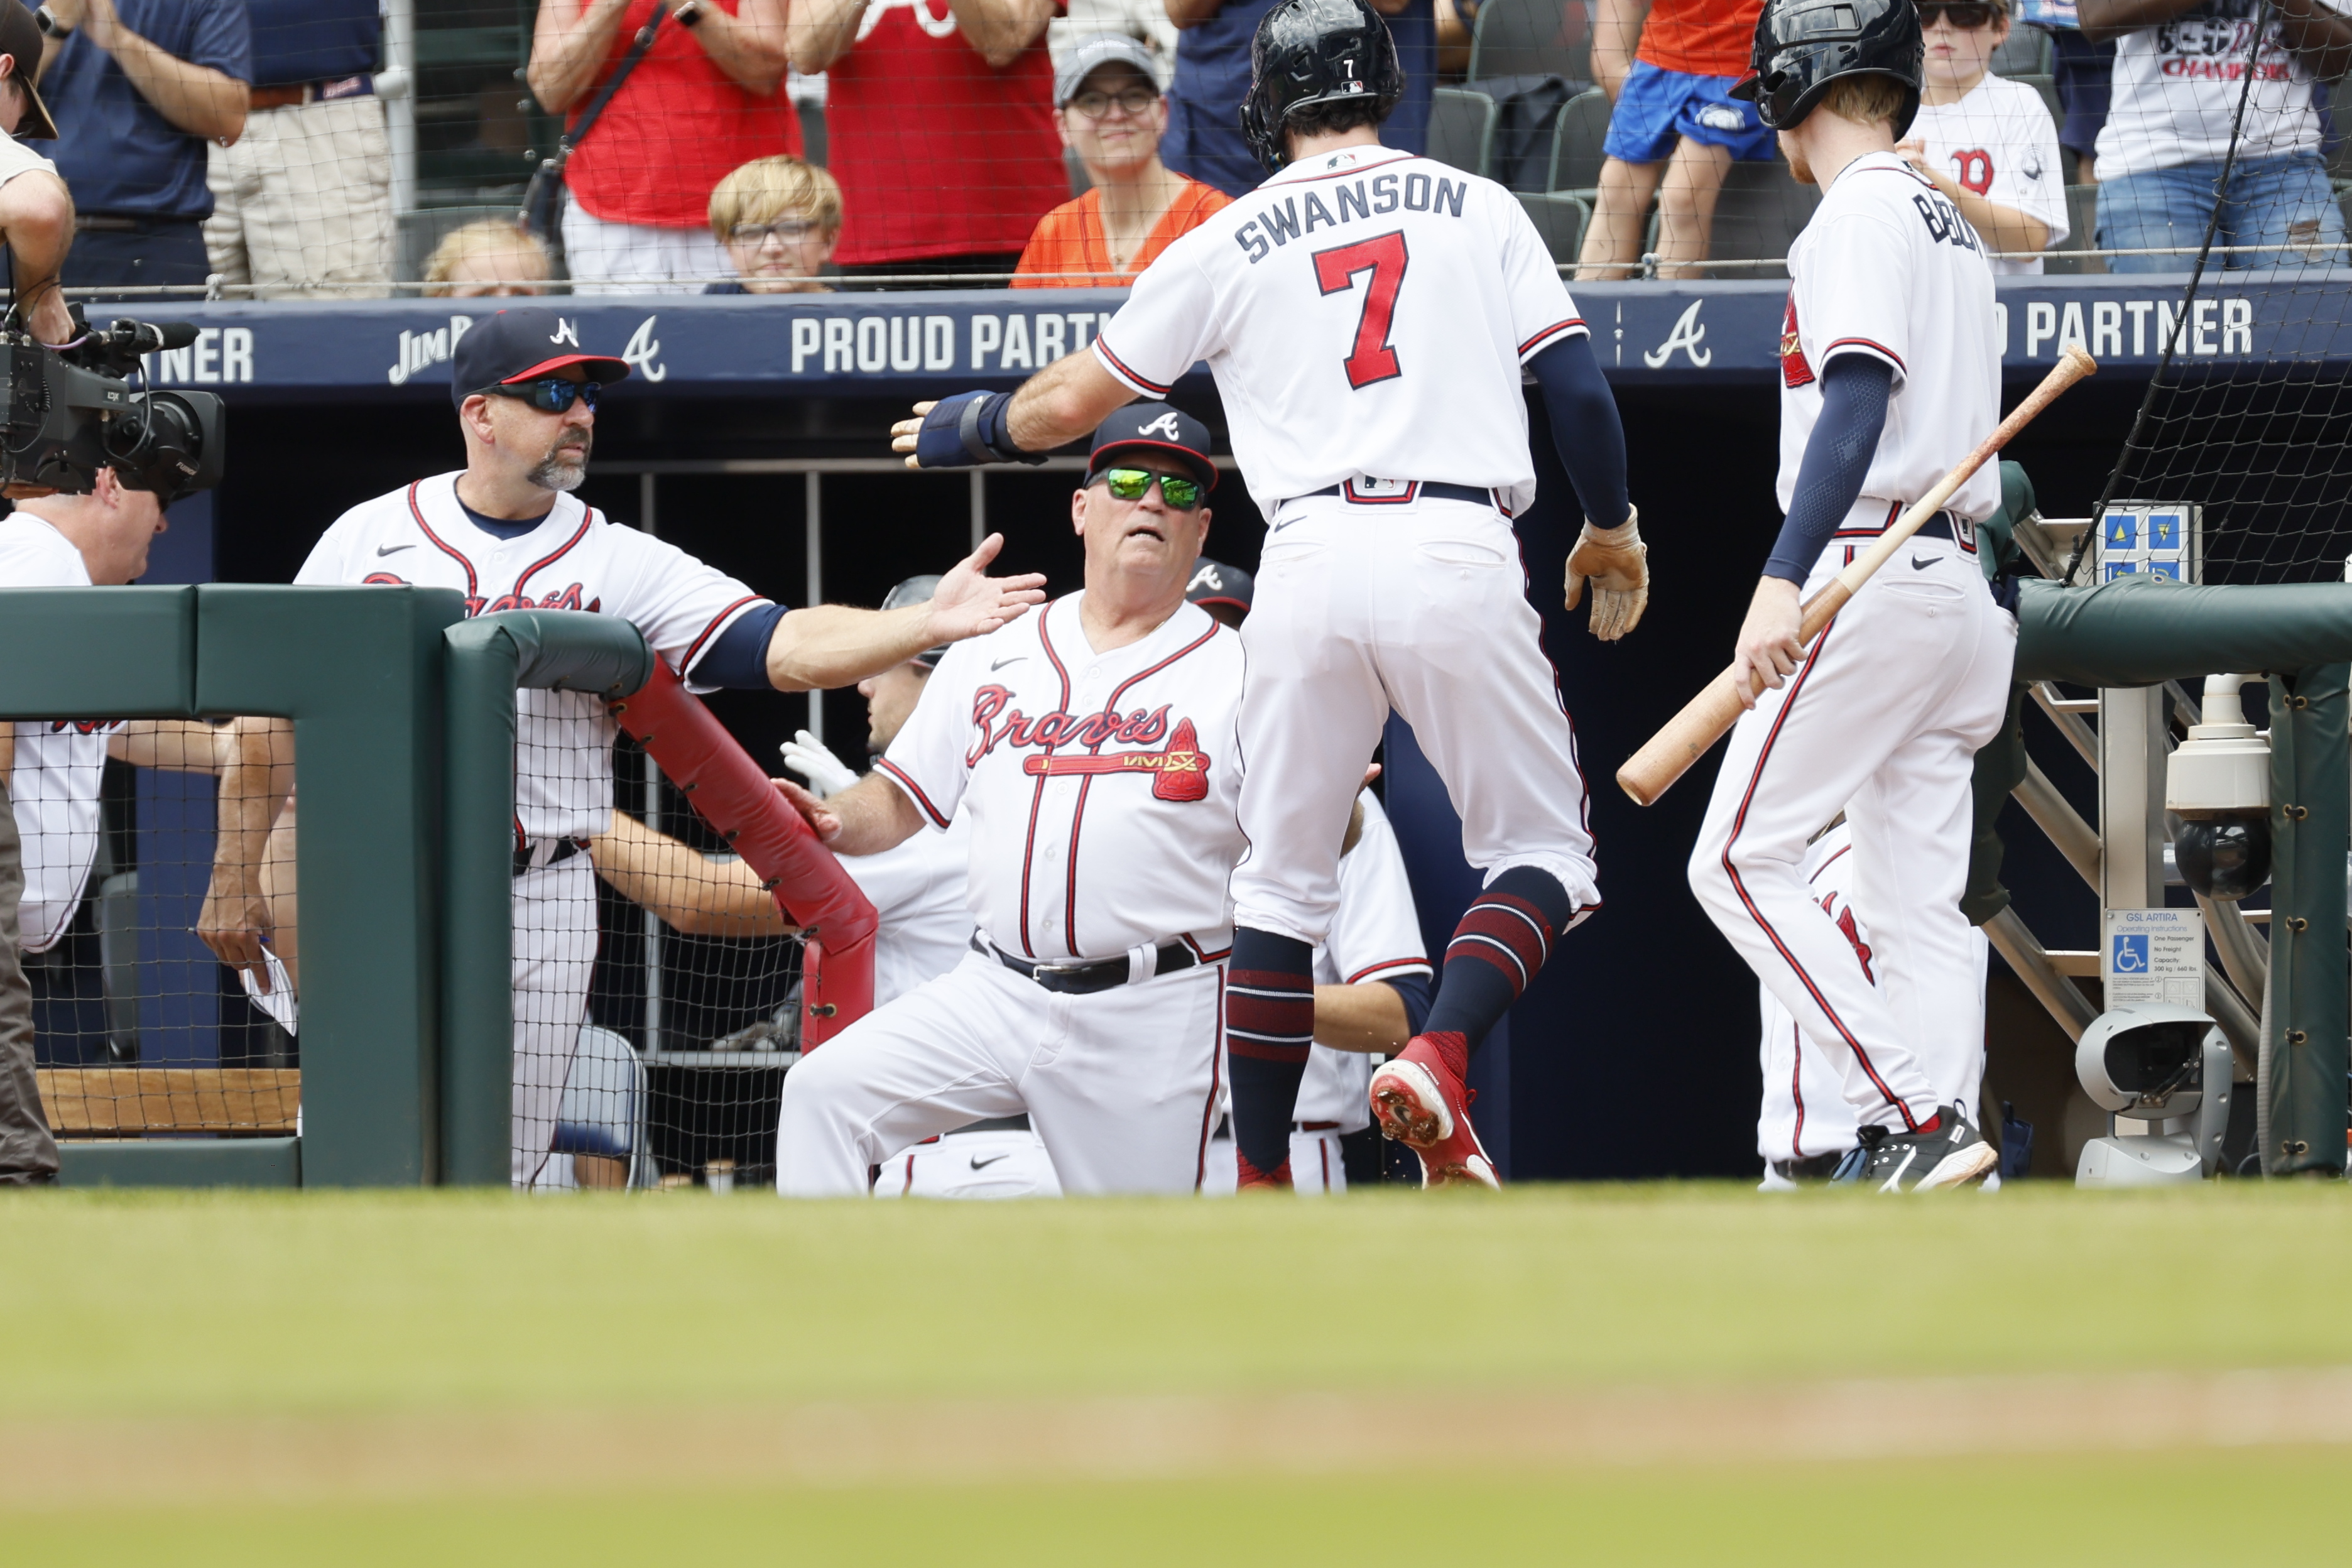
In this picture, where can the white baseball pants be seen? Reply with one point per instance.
(1419, 606)
(1121, 1085)
(1884, 718)
(555, 954)
(1002, 1163)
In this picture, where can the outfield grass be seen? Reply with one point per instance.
(607, 1315)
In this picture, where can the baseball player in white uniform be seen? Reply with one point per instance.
(1094, 748)
(1369, 317)
(507, 532)
(1987, 142)
(1890, 375)
(1806, 1131)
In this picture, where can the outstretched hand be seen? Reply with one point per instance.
(821, 819)
(969, 603)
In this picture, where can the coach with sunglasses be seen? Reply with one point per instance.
(508, 533)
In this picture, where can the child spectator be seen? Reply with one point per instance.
(779, 219)
(1675, 131)
(707, 97)
(493, 259)
(2179, 73)
(940, 121)
(1112, 113)
(1989, 144)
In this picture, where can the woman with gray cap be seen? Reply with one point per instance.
(1108, 106)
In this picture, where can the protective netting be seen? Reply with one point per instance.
(139, 1028)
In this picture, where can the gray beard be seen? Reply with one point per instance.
(561, 469)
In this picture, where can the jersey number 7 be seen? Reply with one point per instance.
(1336, 271)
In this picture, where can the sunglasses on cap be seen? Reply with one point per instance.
(549, 394)
(1134, 484)
(1966, 16)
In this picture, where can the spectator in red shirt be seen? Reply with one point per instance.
(939, 121)
(707, 98)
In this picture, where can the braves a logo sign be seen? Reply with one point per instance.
(1178, 770)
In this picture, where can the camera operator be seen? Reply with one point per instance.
(37, 215)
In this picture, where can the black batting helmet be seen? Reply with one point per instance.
(1316, 51)
(1802, 46)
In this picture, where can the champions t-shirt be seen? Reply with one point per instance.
(1700, 37)
(2176, 87)
(937, 152)
(677, 128)
(1999, 141)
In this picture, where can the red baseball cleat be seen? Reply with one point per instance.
(1420, 1102)
(1247, 1177)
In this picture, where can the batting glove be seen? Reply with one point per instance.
(1617, 563)
(808, 756)
(968, 429)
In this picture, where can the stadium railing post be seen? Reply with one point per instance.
(2305, 1048)
(487, 660)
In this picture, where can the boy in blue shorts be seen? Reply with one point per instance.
(1675, 130)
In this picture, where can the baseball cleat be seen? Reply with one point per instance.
(1950, 1155)
(1419, 1099)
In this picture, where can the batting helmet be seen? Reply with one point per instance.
(917, 590)
(1316, 51)
(1802, 46)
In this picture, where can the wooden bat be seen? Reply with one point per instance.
(1708, 717)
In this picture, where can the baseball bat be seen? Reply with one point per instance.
(1708, 717)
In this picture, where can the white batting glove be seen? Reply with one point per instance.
(807, 756)
(1617, 563)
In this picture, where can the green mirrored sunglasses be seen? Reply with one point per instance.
(1133, 484)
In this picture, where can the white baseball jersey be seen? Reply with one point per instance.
(1365, 313)
(576, 559)
(2176, 88)
(1101, 787)
(59, 762)
(1889, 267)
(1375, 936)
(1999, 141)
(916, 888)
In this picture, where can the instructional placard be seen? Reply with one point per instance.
(2154, 955)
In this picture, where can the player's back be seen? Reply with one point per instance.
(1365, 312)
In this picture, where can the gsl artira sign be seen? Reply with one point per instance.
(2153, 955)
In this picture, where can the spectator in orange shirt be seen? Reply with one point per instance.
(1108, 107)
(1675, 131)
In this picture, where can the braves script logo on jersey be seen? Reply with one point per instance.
(569, 599)
(1794, 371)
(1179, 770)
(1292, 217)
(83, 726)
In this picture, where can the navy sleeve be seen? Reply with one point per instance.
(1585, 429)
(1854, 392)
(1419, 994)
(224, 40)
(739, 660)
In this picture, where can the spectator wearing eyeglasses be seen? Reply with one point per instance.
(139, 88)
(1989, 144)
(2179, 74)
(707, 97)
(940, 126)
(496, 259)
(779, 219)
(302, 200)
(1111, 113)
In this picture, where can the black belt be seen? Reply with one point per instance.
(113, 223)
(1431, 489)
(1943, 525)
(1085, 979)
(565, 848)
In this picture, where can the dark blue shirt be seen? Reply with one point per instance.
(314, 40)
(116, 150)
(1213, 75)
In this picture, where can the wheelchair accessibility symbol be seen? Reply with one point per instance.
(2131, 955)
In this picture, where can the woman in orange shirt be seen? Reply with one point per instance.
(1108, 107)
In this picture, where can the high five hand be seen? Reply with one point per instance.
(968, 603)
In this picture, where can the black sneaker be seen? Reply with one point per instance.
(1953, 1155)
(1813, 1168)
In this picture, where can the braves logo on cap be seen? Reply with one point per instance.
(564, 333)
(1165, 427)
(1207, 577)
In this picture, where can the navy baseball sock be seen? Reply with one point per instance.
(1504, 938)
(1269, 1024)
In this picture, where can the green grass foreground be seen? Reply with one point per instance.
(141, 1304)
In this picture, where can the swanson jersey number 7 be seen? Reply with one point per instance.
(1336, 270)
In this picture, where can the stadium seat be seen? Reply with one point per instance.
(604, 1112)
(2082, 224)
(2026, 51)
(1533, 38)
(1461, 127)
(1559, 217)
(1576, 138)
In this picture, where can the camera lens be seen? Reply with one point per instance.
(2225, 858)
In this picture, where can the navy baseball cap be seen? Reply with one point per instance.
(521, 345)
(1153, 428)
(917, 590)
(1214, 583)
